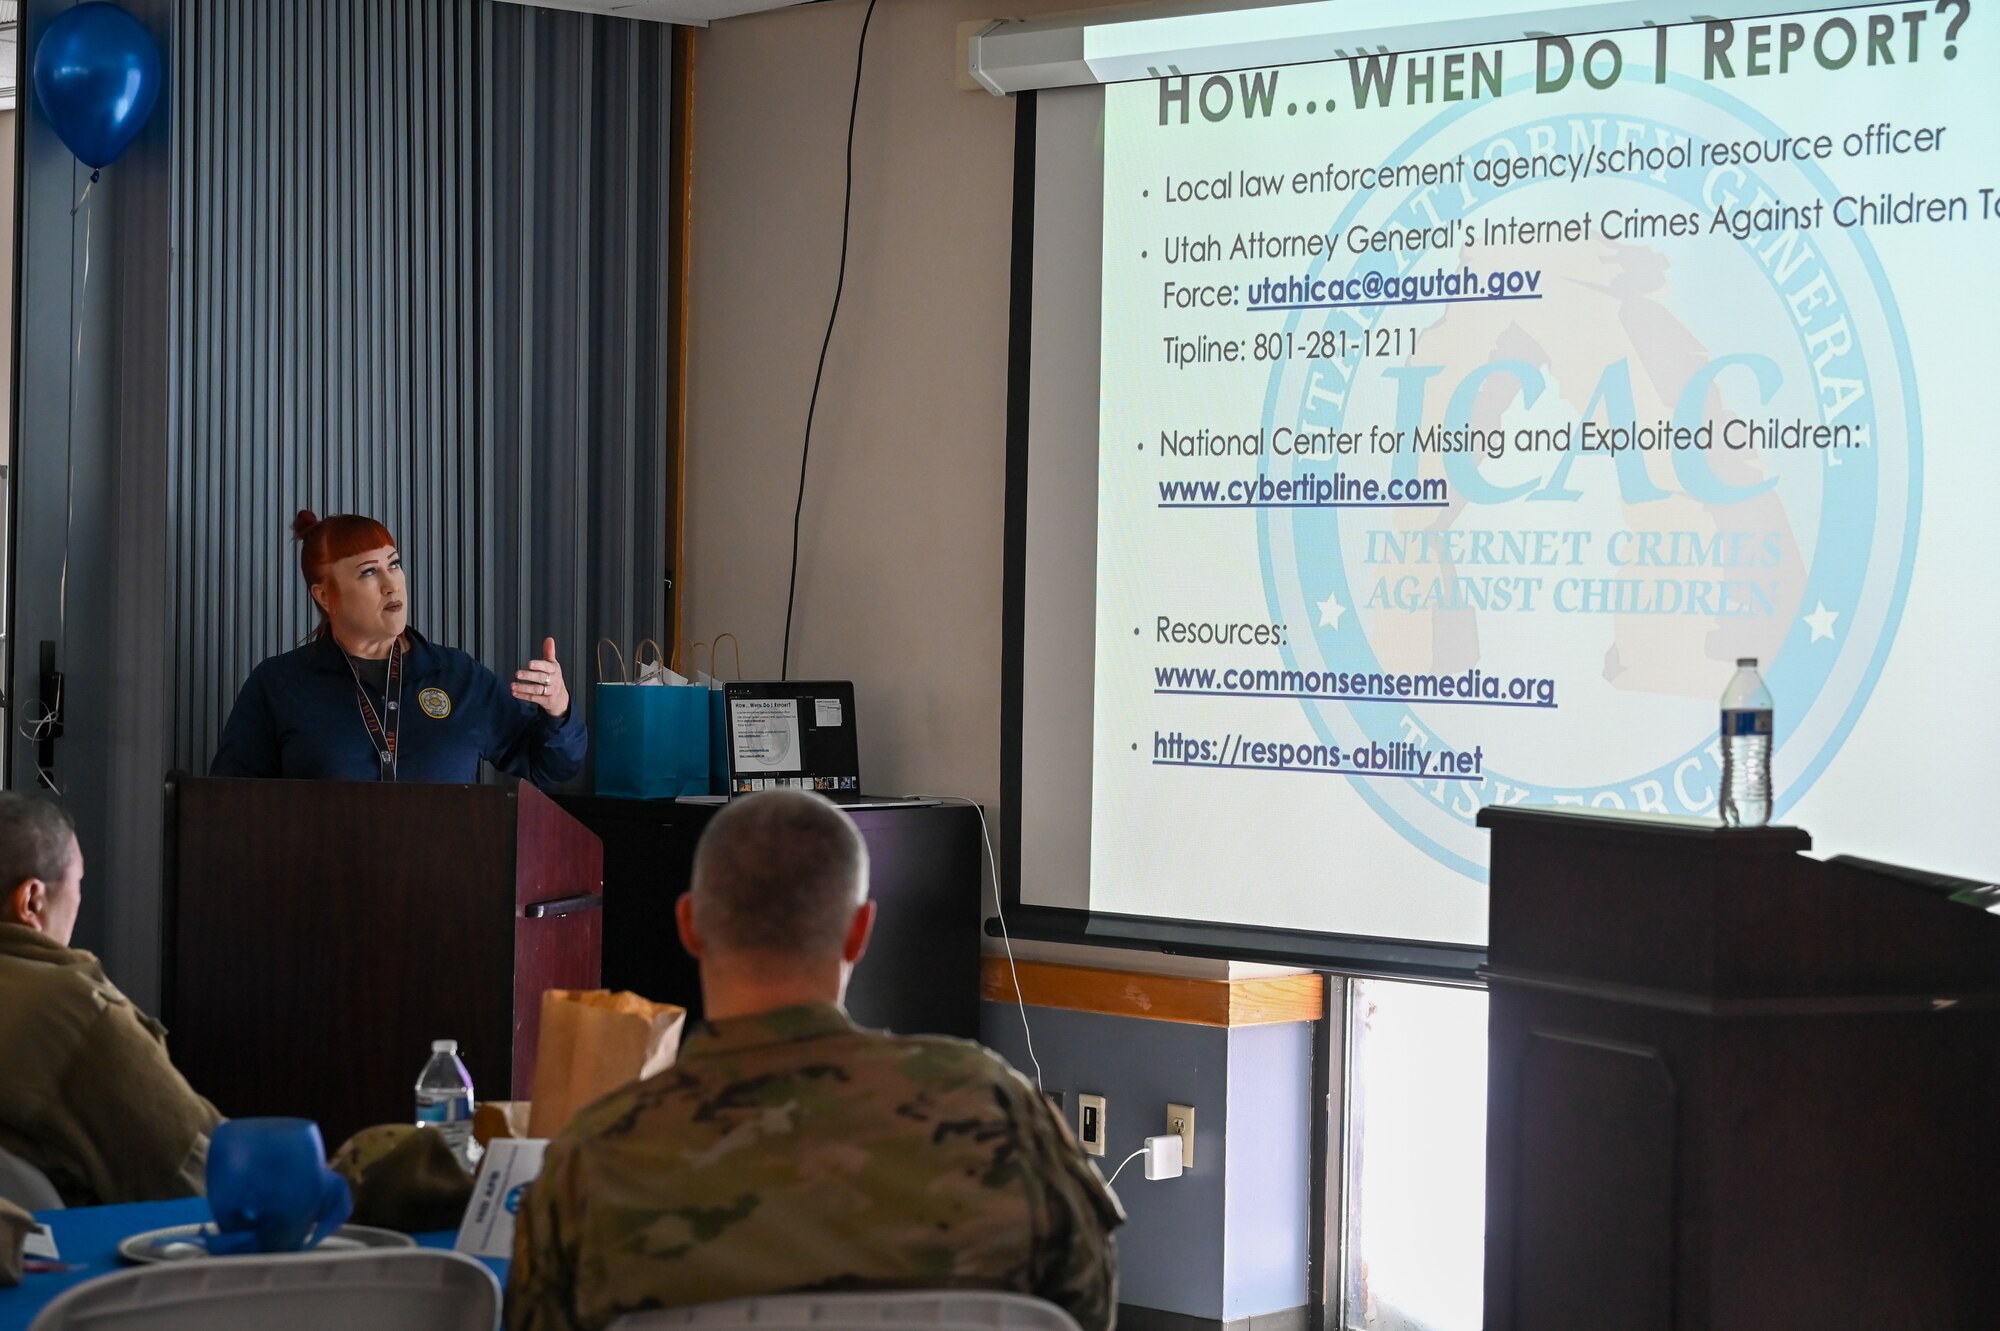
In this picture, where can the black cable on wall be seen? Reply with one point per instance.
(839, 285)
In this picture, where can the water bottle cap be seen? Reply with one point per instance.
(444, 1046)
(1749, 661)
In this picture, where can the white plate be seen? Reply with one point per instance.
(177, 1243)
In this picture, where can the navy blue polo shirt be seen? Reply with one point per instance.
(298, 717)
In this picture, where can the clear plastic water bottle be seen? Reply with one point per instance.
(1746, 748)
(444, 1098)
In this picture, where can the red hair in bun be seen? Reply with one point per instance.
(324, 542)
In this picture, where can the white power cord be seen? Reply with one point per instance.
(1121, 1165)
(1000, 913)
(1164, 1151)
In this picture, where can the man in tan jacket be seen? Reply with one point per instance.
(87, 1092)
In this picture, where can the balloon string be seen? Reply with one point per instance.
(37, 728)
(95, 176)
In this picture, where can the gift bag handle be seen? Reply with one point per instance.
(715, 655)
(694, 658)
(639, 654)
(624, 675)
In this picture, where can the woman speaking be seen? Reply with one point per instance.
(369, 699)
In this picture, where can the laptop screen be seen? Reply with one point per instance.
(798, 734)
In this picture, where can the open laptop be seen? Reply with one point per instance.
(798, 734)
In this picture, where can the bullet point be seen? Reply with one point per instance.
(1142, 254)
(1135, 748)
(1142, 445)
(1145, 194)
(1135, 633)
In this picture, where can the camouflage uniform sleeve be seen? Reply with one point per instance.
(541, 1279)
(1075, 1264)
(144, 1129)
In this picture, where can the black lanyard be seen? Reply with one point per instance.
(383, 737)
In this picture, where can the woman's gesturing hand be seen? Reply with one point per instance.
(541, 682)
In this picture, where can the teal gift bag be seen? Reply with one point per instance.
(651, 737)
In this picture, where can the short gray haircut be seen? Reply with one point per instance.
(35, 836)
(779, 872)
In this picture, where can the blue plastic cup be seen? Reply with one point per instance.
(269, 1188)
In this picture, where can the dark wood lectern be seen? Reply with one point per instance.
(320, 934)
(1733, 1088)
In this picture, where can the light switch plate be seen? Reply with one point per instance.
(1180, 1118)
(1090, 1123)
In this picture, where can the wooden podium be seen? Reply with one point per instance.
(320, 934)
(1733, 1088)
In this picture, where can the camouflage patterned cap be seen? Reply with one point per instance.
(404, 1177)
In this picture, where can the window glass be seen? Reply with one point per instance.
(1416, 1158)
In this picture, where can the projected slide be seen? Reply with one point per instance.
(1466, 414)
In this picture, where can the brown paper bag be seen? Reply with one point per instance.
(499, 1118)
(592, 1042)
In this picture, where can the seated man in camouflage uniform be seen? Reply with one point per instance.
(87, 1092)
(789, 1149)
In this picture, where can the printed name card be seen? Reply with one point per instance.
(511, 1164)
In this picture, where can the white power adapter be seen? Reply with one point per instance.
(1163, 1156)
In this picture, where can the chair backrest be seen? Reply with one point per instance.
(404, 1289)
(915, 1310)
(26, 1186)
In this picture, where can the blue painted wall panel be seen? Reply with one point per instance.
(1171, 1248)
(1269, 1166)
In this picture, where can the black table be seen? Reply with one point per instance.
(921, 974)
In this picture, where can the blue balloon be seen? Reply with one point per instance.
(97, 73)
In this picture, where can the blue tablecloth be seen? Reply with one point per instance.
(88, 1238)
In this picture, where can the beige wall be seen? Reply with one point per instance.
(900, 560)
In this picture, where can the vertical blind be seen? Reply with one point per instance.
(421, 271)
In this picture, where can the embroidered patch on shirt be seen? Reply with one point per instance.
(436, 703)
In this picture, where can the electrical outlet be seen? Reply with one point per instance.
(1180, 1119)
(1090, 1123)
(1055, 1099)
